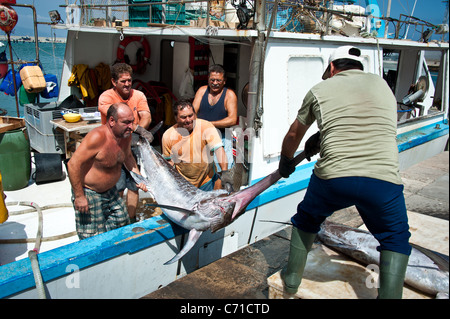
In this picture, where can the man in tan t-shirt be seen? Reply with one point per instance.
(189, 145)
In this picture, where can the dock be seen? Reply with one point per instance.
(244, 274)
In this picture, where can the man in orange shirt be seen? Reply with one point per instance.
(121, 78)
(189, 146)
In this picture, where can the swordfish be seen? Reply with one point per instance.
(190, 207)
(427, 270)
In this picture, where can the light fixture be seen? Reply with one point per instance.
(55, 16)
(243, 13)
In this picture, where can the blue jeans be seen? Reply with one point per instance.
(381, 205)
(209, 185)
(228, 147)
(126, 181)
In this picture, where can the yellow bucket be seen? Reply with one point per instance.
(3, 210)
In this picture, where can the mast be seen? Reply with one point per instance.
(388, 14)
(412, 13)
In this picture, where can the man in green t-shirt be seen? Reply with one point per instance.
(358, 165)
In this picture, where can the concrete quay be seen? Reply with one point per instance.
(243, 274)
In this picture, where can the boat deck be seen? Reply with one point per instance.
(244, 273)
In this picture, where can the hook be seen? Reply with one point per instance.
(121, 34)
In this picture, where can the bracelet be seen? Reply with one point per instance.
(137, 126)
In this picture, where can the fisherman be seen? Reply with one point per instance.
(121, 78)
(189, 144)
(358, 165)
(94, 170)
(218, 105)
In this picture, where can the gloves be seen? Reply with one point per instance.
(144, 133)
(312, 146)
(227, 180)
(286, 166)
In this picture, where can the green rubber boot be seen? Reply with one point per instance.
(301, 243)
(392, 274)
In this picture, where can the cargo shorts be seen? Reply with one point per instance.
(107, 211)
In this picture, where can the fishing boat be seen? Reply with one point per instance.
(273, 52)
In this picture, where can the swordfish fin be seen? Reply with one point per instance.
(194, 235)
(180, 209)
(141, 179)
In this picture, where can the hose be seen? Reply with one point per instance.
(36, 207)
(32, 254)
(32, 210)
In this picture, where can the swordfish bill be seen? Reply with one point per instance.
(190, 207)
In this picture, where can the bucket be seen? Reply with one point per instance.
(48, 168)
(15, 159)
(3, 209)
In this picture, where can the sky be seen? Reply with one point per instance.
(428, 10)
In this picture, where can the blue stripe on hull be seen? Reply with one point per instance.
(17, 276)
(422, 135)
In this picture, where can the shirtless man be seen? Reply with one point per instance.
(94, 170)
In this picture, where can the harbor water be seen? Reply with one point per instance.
(51, 56)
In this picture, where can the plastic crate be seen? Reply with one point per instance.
(140, 16)
(44, 138)
(175, 13)
(283, 15)
(168, 13)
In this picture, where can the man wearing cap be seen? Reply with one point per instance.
(358, 165)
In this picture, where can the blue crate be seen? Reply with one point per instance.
(140, 16)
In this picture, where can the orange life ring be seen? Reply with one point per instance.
(142, 61)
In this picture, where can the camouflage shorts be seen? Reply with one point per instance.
(107, 211)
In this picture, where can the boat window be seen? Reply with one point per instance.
(390, 67)
(419, 91)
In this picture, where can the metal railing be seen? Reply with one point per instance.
(306, 16)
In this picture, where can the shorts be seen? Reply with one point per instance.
(381, 205)
(126, 181)
(107, 211)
